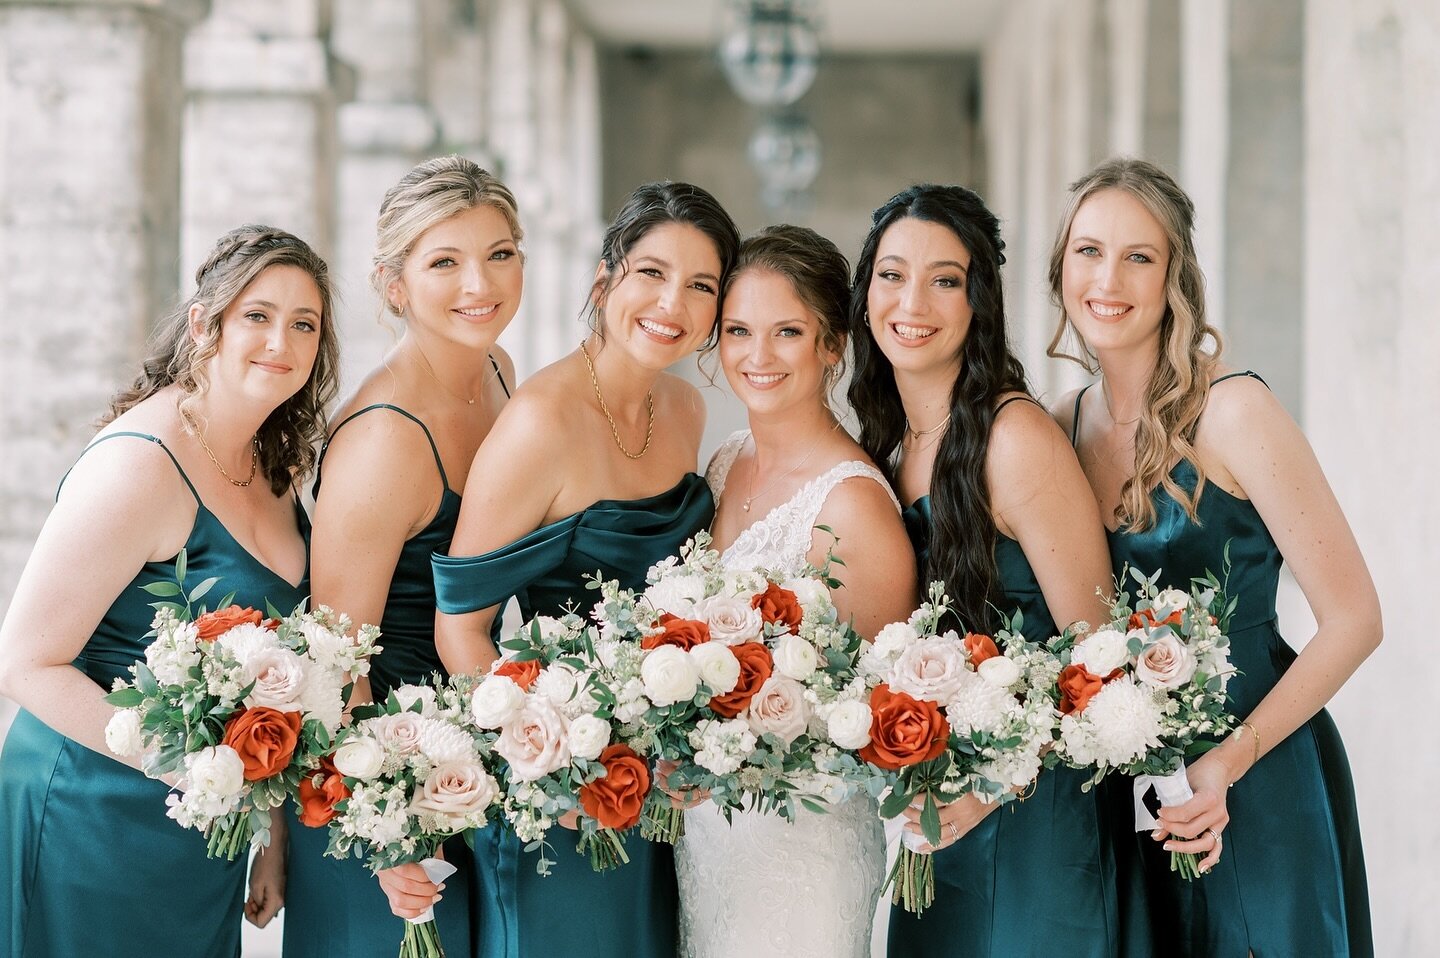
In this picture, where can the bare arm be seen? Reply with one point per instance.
(879, 570)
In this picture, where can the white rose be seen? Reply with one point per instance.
(1101, 652)
(455, 791)
(677, 594)
(360, 757)
(812, 593)
(719, 669)
(1168, 663)
(779, 708)
(496, 701)
(932, 668)
(400, 733)
(849, 724)
(122, 733)
(279, 677)
(795, 658)
(534, 742)
(999, 670)
(408, 695)
(669, 675)
(217, 771)
(589, 734)
(731, 619)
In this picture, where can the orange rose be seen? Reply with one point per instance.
(903, 730)
(1145, 618)
(265, 739)
(684, 633)
(1078, 686)
(521, 673)
(317, 802)
(755, 667)
(780, 606)
(980, 647)
(615, 801)
(212, 625)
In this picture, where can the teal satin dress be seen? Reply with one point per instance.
(94, 866)
(1034, 878)
(334, 908)
(629, 912)
(1292, 878)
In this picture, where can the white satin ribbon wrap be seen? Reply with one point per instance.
(1172, 789)
(916, 842)
(437, 871)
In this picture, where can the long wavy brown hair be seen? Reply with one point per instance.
(1189, 348)
(289, 436)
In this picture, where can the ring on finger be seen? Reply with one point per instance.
(1215, 835)
(954, 832)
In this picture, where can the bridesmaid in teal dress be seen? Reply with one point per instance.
(591, 469)
(1000, 512)
(448, 263)
(1186, 458)
(202, 453)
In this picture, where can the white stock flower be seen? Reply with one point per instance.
(216, 771)
(779, 708)
(326, 647)
(456, 791)
(795, 657)
(743, 583)
(812, 593)
(978, 705)
(677, 594)
(931, 668)
(722, 746)
(999, 670)
(171, 661)
(731, 619)
(631, 702)
(443, 743)
(670, 675)
(534, 742)
(848, 724)
(1167, 664)
(496, 701)
(279, 677)
(1101, 652)
(719, 669)
(360, 757)
(122, 733)
(589, 734)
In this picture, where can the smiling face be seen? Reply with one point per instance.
(918, 298)
(1113, 272)
(769, 345)
(462, 279)
(661, 305)
(269, 336)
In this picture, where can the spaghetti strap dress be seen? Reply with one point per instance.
(93, 865)
(1292, 879)
(629, 912)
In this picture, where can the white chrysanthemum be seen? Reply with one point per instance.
(978, 705)
(244, 641)
(442, 742)
(677, 594)
(1119, 725)
(322, 699)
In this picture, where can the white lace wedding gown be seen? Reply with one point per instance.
(760, 886)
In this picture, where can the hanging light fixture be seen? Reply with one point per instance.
(770, 50)
(785, 151)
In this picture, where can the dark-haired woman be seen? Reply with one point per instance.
(999, 510)
(203, 453)
(591, 467)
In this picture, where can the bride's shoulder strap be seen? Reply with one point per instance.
(723, 459)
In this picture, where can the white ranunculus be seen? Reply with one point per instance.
(677, 594)
(849, 724)
(408, 695)
(893, 639)
(496, 701)
(795, 658)
(122, 733)
(999, 670)
(731, 619)
(670, 675)
(360, 757)
(589, 734)
(1167, 664)
(457, 791)
(931, 668)
(812, 593)
(325, 646)
(719, 669)
(217, 771)
(1168, 602)
(1101, 652)
(534, 742)
(779, 708)
(399, 734)
(557, 683)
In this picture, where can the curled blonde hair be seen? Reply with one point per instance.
(1179, 386)
(434, 191)
(289, 435)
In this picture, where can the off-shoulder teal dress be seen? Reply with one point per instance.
(1291, 880)
(93, 866)
(629, 912)
(334, 908)
(1034, 878)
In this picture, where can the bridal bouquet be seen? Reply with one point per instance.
(742, 679)
(240, 704)
(1146, 691)
(950, 716)
(413, 773)
(548, 699)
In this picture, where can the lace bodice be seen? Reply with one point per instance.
(780, 540)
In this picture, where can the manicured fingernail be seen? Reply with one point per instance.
(1168, 846)
(1157, 833)
(440, 887)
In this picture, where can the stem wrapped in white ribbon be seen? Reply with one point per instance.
(437, 870)
(1172, 789)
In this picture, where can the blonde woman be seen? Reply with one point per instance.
(1188, 460)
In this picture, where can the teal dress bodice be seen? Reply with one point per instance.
(1292, 878)
(95, 867)
(1034, 878)
(629, 912)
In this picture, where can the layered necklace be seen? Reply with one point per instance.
(614, 429)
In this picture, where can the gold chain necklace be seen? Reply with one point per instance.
(446, 389)
(1105, 395)
(614, 429)
(771, 484)
(254, 453)
(917, 433)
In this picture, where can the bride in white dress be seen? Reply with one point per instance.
(759, 886)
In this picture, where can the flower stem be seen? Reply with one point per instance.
(421, 941)
(1187, 864)
(606, 849)
(663, 823)
(912, 881)
(227, 837)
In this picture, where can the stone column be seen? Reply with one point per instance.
(588, 217)
(1204, 136)
(90, 105)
